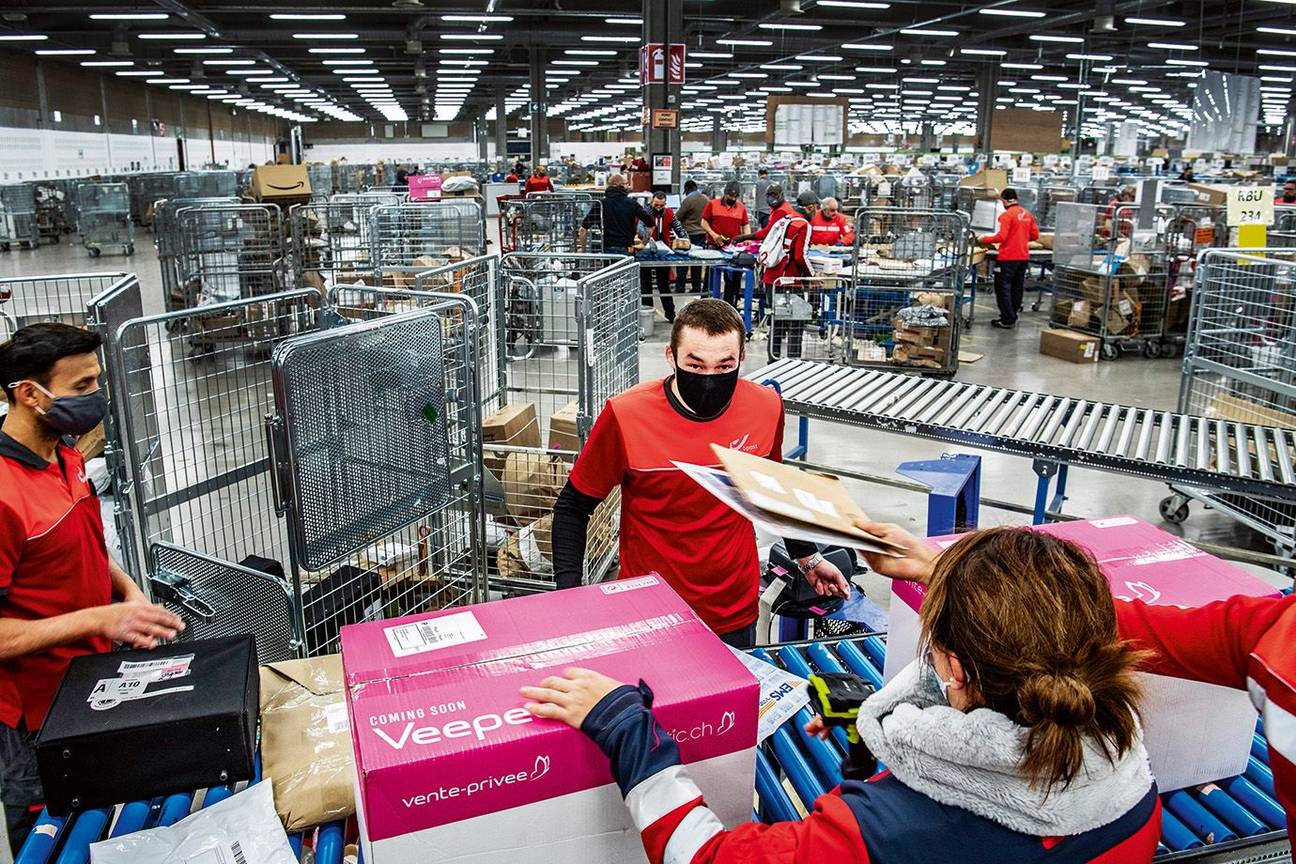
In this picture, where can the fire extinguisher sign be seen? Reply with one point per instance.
(660, 63)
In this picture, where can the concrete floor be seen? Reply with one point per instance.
(1011, 358)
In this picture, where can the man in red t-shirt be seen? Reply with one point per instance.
(57, 581)
(670, 525)
(723, 219)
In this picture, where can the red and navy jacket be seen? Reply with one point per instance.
(879, 820)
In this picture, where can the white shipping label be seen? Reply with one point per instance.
(157, 670)
(623, 585)
(335, 718)
(782, 694)
(1114, 522)
(433, 634)
(1021, 174)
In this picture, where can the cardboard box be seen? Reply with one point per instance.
(1242, 410)
(280, 182)
(1195, 732)
(1208, 194)
(1046, 240)
(306, 741)
(514, 425)
(1069, 345)
(91, 444)
(1080, 314)
(180, 717)
(532, 482)
(563, 434)
(452, 768)
(989, 180)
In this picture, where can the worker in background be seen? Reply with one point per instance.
(829, 227)
(762, 189)
(1017, 229)
(512, 177)
(620, 216)
(690, 215)
(538, 182)
(724, 219)
(1288, 197)
(1187, 174)
(57, 580)
(666, 228)
(784, 264)
(671, 526)
(1246, 643)
(1013, 737)
(1123, 198)
(402, 180)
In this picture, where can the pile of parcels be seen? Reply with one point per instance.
(358, 271)
(922, 332)
(532, 477)
(1109, 297)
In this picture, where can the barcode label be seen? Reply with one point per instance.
(237, 848)
(433, 634)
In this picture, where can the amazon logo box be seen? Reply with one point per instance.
(1194, 733)
(451, 767)
(279, 182)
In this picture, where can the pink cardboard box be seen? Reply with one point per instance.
(451, 768)
(423, 187)
(1194, 732)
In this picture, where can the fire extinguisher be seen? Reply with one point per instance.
(659, 64)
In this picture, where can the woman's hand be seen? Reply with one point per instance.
(569, 698)
(918, 561)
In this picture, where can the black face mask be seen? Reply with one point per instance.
(706, 395)
(729, 202)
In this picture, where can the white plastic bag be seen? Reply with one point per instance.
(242, 829)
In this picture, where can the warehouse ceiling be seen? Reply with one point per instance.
(898, 62)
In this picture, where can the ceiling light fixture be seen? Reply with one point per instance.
(1013, 13)
(23, 37)
(621, 39)
(307, 16)
(821, 58)
(627, 22)
(1277, 31)
(129, 16)
(983, 52)
(1021, 66)
(326, 35)
(335, 50)
(922, 31)
(754, 43)
(1097, 58)
(1036, 37)
(1173, 46)
(171, 36)
(107, 63)
(782, 67)
(65, 52)
(769, 26)
(478, 19)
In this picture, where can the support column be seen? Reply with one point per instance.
(501, 126)
(479, 131)
(987, 87)
(718, 142)
(663, 24)
(539, 110)
(927, 137)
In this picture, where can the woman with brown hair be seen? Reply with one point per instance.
(1015, 738)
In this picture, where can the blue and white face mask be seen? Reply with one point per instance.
(933, 682)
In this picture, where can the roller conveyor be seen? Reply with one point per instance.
(1182, 449)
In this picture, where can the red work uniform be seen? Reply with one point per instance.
(793, 262)
(669, 524)
(1017, 229)
(830, 232)
(52, 561)
(1247, 643)
(725, 221)
(538, 184)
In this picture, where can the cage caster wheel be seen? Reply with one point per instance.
(1109, 351)
(1152, 349)
(1174, 509)
(95, 251)
(129, 248)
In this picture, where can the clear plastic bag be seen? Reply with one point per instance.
(242, 829)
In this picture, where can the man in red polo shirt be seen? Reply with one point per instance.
(57, 581)
(1017, 229)
(828, 227)
(670, 525)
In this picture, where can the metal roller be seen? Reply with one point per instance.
(1177, 448)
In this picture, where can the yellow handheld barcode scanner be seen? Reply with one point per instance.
(837, 697)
